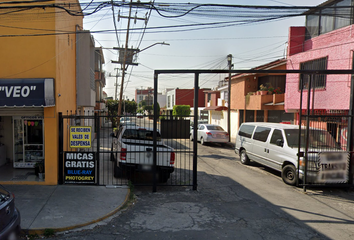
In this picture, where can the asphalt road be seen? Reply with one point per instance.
(233, 201)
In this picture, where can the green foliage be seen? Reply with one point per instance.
(142, 104)
(33, 236)
(130, 106)
(181, 111)
(112, 105)
(158, 109)
(48, 232)
(148, 109)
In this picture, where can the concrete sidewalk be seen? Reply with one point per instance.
(65, 207)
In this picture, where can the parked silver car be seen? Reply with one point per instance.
(210, 133)
(10, 218)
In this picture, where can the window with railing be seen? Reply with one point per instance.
(317, 80)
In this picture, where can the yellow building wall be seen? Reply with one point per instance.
(52, 56)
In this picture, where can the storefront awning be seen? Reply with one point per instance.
(216, 108)
(27, 92)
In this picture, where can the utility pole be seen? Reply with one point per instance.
(126, 60)
(229, 62)
(116, 83)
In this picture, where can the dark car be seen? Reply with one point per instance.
(10, 218)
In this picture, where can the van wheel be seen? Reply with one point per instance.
(244, 158)
(288, 175)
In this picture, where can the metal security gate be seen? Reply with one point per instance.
(336, 124)
(77, 155)
(326, 138)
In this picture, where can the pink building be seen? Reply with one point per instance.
(326, 42)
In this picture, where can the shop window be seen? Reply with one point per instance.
(28, 142)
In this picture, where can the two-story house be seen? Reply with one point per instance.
(185, 97)
(325, 42)
(254, 105)
(41, 75)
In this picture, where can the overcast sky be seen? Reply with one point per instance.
(250, 44)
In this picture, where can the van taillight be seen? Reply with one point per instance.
(123, 154)
(172, 159)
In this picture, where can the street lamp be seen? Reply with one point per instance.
(124, 68)
(162, 43)
(229, 63)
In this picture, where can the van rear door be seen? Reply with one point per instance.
(244, 138)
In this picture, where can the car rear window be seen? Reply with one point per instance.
(261, 134)
(215, 128)
(140, 134)
(246, 131)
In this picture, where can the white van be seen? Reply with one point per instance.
(276, 146)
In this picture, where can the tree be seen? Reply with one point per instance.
(142, 104)
(148, 109)
(158, 109)
(112, 106)
(181, 111)
(130, 106)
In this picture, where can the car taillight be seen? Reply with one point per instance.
(226, 134)
(209, 133)
(172, 159)
(123, 154)
(302, 162)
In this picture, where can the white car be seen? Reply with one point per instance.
(139, 115)
(210, 133)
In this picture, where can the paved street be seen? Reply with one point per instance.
(233, 201)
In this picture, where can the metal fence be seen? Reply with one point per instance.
(111, 163)
(325, 143)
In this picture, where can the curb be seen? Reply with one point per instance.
(40, 231)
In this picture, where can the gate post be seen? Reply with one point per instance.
(61, 153)
(350, 142)
(195, 157)
(154, 135)
(97, 126)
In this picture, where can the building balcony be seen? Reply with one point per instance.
(264, 102)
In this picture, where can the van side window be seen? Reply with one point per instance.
(277, 138)
(246, 131)
(261, 134)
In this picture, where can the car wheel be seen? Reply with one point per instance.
(15, 235)
(244, 158)
(288, 175)
(163, 176)
(118, 173)
(202, 141)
